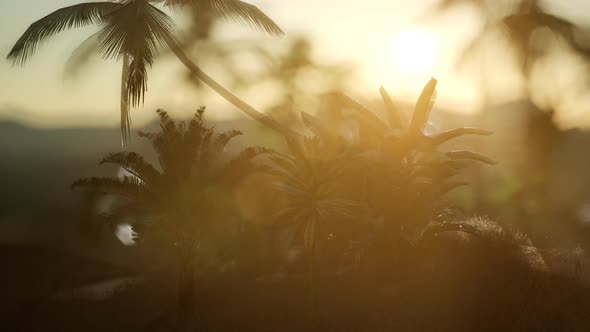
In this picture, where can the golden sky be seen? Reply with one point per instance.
(364, 33)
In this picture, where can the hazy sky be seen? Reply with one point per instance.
(355, 31)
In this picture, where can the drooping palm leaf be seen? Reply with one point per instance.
(448, 135)
(129, 187)
(136, 29)
(242, 12)
(244, 159)
(65, 18)
(223, 139)
(470, 155)
(81, 55)
(134, 164)
(232, 10)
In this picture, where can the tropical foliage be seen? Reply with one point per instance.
(187, 190)
(364, 198)
(182, 203)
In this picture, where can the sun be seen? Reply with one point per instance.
(414, 51)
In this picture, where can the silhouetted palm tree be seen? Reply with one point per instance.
(406, 171)
(394, 170)
(312, 178)
(191, 162)
(183, 199)
(131, 31)
(390, 170)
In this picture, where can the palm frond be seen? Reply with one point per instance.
(136, 82)
(134, 164)
(223, 139)
(318, 127)
(81, 55)
(339, 207)
(136, 29)
(169, 129)
(469, 155)
(233, 10)
(448, 135)
(396, 120)
(364, 114)
(423, 107)
(245, 13)
(129, 187)
(65, 18)
(434, 228)
(244, 158)
(446, 187)
(284, 162)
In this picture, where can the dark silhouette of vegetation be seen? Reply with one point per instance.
(356, 232)
(373, 227)
(132, 31)
(360, 227)
(185, 199)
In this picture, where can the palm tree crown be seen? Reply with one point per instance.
(193, 174)
(131, 31)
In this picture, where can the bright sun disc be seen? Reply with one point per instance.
(414, 51)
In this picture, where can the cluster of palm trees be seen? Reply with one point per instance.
(366, 191)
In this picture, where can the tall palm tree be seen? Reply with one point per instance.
(180, 202)
(131, 31)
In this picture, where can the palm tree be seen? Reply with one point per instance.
(310, 177)
(131, 31)
(403, 162)
(398, 173)
(520, 19)
(186, 197)
(391, 170)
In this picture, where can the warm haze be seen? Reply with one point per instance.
(221, 165)
(383, 57)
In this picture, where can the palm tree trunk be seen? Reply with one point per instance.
(310, 244)
(313, 296)
(125, 118)
(186, 300)
(229, 96)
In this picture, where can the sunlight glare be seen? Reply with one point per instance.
(414, 51)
